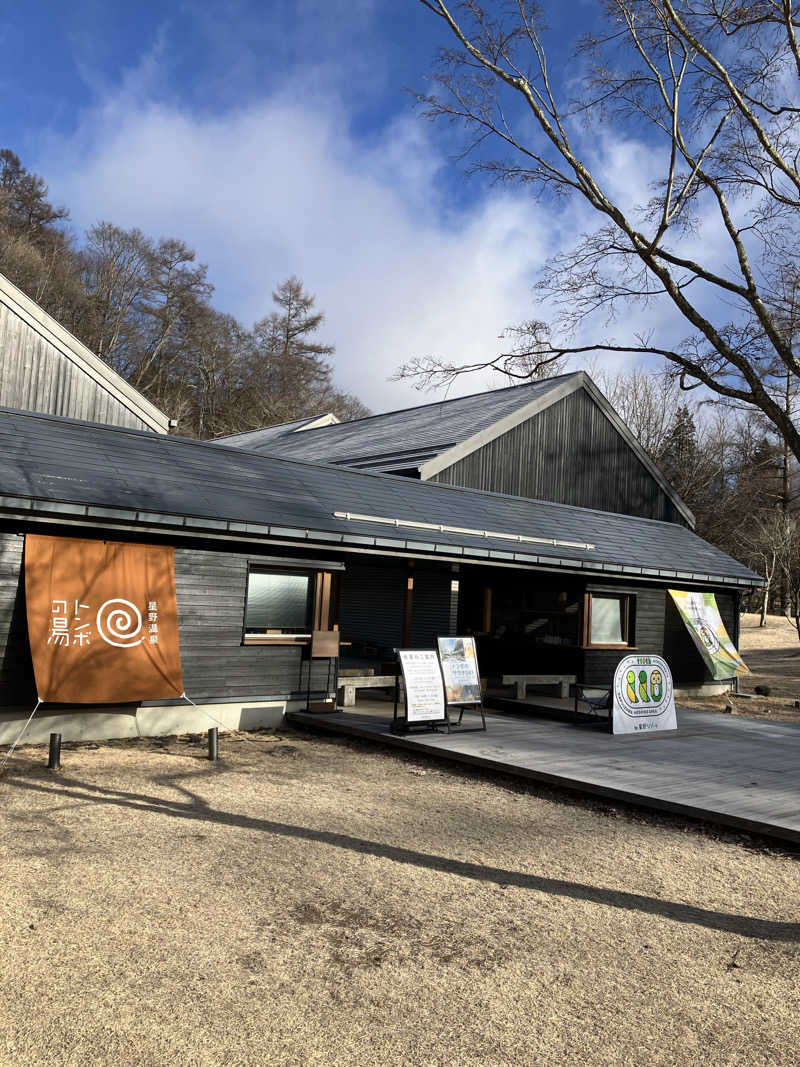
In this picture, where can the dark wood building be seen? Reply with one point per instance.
(558, 440)
(268, 549)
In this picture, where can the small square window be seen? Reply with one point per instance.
(278, 602)
(608, 621)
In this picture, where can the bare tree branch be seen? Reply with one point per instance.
(712, 87)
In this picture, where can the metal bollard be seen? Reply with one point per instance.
(213, 743)
(54, 759)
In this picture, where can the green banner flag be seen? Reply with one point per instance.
(701, 615)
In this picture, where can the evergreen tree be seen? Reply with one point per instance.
(145, 307)
(290, 375)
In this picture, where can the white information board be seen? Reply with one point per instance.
(643, 697)
(423, 685)
(459, 661)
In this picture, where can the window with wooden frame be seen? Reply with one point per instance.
(608, 620)
(285, 605)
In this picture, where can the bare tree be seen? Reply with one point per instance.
(714, 87)
(765, 540)
(646, 401)
(145, 307)
(117, 271)
(522, 360)
(36, 250)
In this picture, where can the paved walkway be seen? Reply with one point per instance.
(734, 771)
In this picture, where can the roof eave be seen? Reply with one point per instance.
(193, 526)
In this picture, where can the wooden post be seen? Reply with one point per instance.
(487, 610)
(408, 611)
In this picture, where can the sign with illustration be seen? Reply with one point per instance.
(643, 697)
(424, 688)
(102, 620)
(459, 661)
(701, 616)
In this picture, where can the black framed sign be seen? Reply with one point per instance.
(459, 661)
(424, 687)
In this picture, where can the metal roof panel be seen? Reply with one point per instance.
(176, 481)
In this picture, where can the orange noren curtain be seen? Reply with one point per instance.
(102, 620)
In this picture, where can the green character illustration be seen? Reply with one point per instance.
(643, 687)
(630, 678)
(656, 685)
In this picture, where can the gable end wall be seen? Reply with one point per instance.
(36, 376)
(569, 454)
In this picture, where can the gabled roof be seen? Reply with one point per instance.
(398, 440)
(432, 437)
(64, 470)
(79, 356)
(252, 440)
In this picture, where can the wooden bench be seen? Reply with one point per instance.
(522, 681)
(349, 685)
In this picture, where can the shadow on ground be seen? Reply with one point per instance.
(194, 808)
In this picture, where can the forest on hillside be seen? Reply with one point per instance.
(145, 307)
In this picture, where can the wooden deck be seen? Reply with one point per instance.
(737, 772)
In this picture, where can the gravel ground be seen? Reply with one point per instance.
(313, 901)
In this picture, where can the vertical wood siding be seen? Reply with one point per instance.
(571, 454)
(372, 605)
(17, 685)
(211, 589)
(432, 609)
(649, 605)
(373, 599)
(36, 376)
(216, 666)
(680, 650)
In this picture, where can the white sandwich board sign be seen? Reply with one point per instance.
(424, 687)
(643, 696)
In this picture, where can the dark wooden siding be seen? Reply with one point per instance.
(211, 589)
(432, 608)
(660, 630)
(216, 666)
(372, 606)
(680, 650)
(649, 603)
(17, 685)
(372, 611)
(571, 454)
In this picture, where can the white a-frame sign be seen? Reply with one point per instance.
(643, 697)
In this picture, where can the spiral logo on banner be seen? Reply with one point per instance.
(119, 623)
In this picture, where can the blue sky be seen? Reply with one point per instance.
(277, 138)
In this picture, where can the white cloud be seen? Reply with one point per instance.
(282, 187)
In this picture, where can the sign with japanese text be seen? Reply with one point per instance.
(102, 620)
(643, 697)
(423, 686)
(459, 660)
(702, 619)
